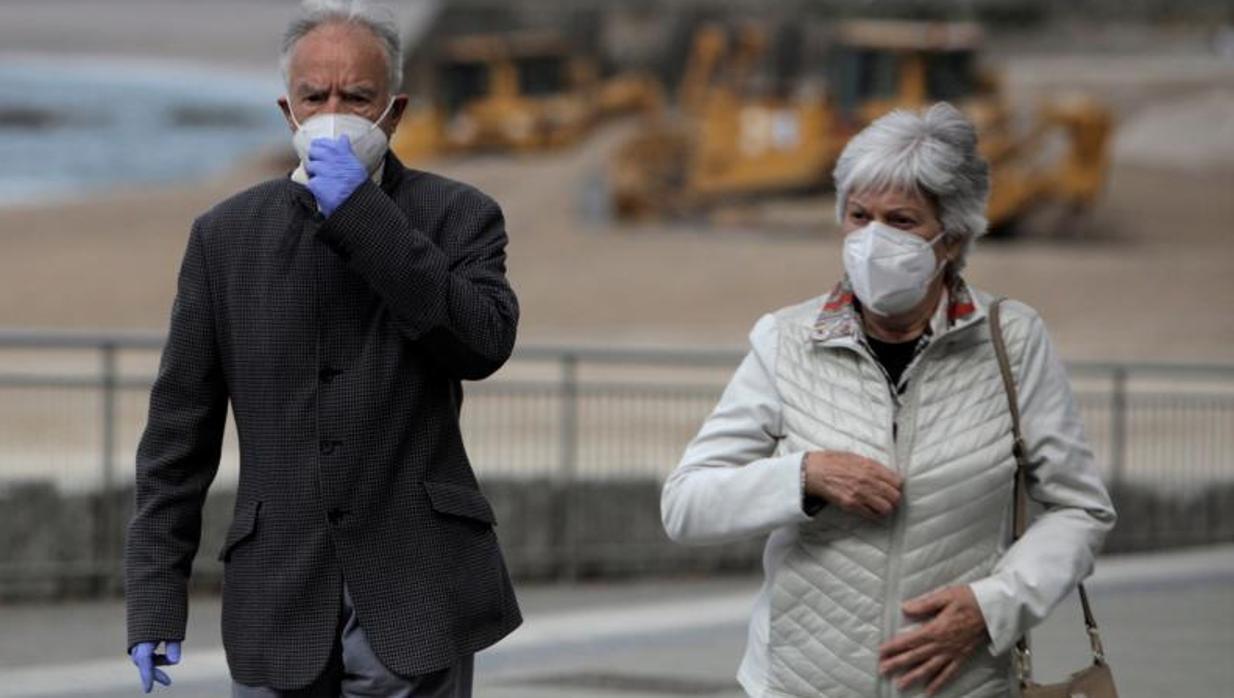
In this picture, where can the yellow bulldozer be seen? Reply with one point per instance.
(512, 91)
(741, 131)
(728, 138)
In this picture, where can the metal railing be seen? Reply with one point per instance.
(561, 419)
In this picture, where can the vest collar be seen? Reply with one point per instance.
(839, 321)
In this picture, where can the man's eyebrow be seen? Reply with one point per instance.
(359, 90)
(308, 88)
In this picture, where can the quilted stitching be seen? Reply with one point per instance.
(829, 594)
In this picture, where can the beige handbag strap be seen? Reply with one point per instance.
(1020, 517)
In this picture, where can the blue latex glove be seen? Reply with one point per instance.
(334, 172)
(147, 663)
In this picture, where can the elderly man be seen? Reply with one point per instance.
(337, 311)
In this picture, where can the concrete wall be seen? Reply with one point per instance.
(54, 545)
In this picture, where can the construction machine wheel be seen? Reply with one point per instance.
(647, 175)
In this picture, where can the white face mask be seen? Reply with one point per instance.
(890, 269)
(368, 142)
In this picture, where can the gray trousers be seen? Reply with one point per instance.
(356, 672)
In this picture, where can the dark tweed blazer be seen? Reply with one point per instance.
(340, 343)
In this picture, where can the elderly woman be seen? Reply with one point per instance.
(867, 431)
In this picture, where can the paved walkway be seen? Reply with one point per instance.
(1168, 621)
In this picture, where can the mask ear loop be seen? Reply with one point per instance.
(292, 112)
(384, 114)
(942, 265)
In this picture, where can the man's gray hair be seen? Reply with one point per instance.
(316, 13)
(934, 153)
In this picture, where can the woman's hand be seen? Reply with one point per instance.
(936, 650)
(857, 485)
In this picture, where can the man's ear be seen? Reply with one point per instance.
(395, 115)
(286, 107)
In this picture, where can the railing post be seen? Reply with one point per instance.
(565, 536)
(107, 550)
(1118, 428)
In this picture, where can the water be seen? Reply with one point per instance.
(70, 127)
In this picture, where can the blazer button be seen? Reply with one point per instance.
(334, 516)
(327, 374)
(327, 447)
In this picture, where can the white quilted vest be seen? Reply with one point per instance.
(837, 595)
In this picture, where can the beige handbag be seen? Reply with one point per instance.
(1095, 681)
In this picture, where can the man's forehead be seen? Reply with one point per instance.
(334, 53)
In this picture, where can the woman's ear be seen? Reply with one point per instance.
(952, 246)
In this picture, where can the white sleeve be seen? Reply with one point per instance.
(728, 485)
(1058, 549)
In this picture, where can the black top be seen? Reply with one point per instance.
(894, 356)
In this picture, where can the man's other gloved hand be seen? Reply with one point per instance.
(334, 172)
(148, 662)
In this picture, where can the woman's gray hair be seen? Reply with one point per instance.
(933, 152)
(379, 21)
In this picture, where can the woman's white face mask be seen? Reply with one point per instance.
(890, 269)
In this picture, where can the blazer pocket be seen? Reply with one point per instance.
(459, 500)
(242, 527)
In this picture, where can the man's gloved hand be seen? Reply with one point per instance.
(334, 172)
(148, 662)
